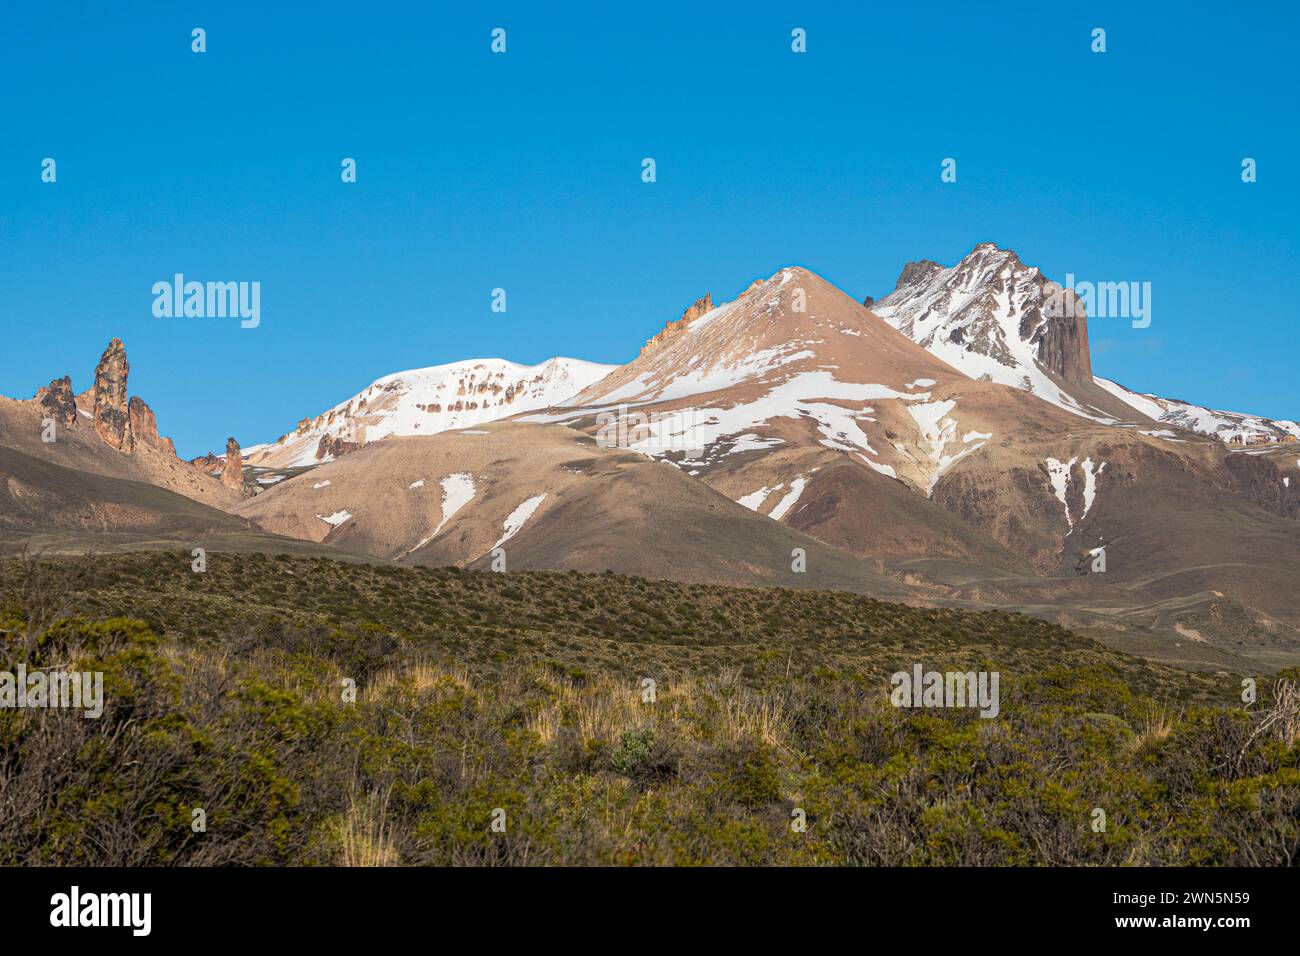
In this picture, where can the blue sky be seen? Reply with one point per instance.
(522, 171)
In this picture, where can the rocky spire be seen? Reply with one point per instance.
(59, 402)
(112, 416)
(232, 473)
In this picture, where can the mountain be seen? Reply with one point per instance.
(790, 424)
(427, 401)
(995, 318)
(793, 362)
(802, 404)
(793, 416)
(999, 320)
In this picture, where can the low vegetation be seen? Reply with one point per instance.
(326, 713)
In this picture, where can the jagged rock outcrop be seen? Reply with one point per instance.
(332, 446)
(144, 426)
(232, 473)
(121, 421)
(698, 308)
(59, 402)
(918, 271)
(109, 394)
(208, 464)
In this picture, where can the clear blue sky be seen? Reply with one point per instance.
(523, 171)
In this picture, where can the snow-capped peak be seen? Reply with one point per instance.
(997, 319)
(425, 401)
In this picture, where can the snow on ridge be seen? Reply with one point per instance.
(887, 470)
(984, 295)
(438, 398)
(336, 519)
(1226, 426)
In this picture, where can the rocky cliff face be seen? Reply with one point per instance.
(111, 414)
(59, 402)
(232, 473)
(698, 308)
(144, 427)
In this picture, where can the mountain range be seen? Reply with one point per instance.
(947, 444)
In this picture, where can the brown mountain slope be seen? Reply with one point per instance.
(454, 497)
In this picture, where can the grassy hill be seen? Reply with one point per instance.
(521, 700)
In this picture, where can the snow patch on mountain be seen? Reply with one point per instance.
(1058, 473)
(1061, 473)
(785, 504)
(1090, 484)
(940, 431)
(754, 500)
(516, 520)
(457, 492)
